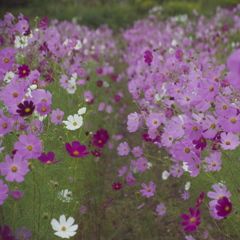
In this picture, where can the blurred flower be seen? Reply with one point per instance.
(199, 201)
(5, 233)
(83, 209)
(117, 186)
(22, 234)
(3, 191)
(161, 209)
(65, 195)
(185, 195)
(148, 191)
(16, 194)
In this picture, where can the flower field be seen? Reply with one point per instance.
(120, 136)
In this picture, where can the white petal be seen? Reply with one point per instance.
(70, 118)
(55, 225)
(62, 234)
(73, 228)
(62, 220)
(82, 110)
(69, 222)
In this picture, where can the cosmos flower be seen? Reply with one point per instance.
(74, 122)
(191, 221)
(26, 108)
(76, 149)
(64, 228)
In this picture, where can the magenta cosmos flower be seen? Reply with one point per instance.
(76, 149)
(48, 158)
(148, 191)
(3, 192)
(192, 221)
(117, 186)
(23, 71)
(5, 233)
(14, 169)
(26, 108)
(56, 116)
(148, 57)
(28, 146)
(100, 138)
(224, 207)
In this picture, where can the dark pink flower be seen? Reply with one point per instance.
(117, 186)
(23, 71)
(48, 158)
(199, 200)
(76, 149)
(192, 221)
(148, 57)
(224, 207)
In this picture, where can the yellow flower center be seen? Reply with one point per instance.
(187, 150)
(29, 147)
(63, 228)
(24, 71)
(44, 100)
(228, 143)
(155, 121)
(195, 128)
(27, 110)
(4, 125)
(74, 124)
(224, 107)
(213, 126)
(76, 153)
(58, 117)
(48, 162)
(15, 94)
(211, 89)
(226, 208)
(178, 170)
(43, 109)
(192, 220)
(214, 164)
(6, 60)
(233, 120)
(14, 169)
(197, 165)
(221, 197)
(148, 189)
(187, 98)
(170, 138)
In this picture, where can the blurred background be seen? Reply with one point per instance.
(116, 13)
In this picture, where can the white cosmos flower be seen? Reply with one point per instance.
(21, 42)
(65, 195)
(64, 228)
(81, 111)
(74, 122)
(187, 185)
(165, 175)
(8, 77)
(72, 87)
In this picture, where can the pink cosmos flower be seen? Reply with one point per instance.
(3, 191)
(229, 141)
(161, 209)
(123, 149)
(14, 169)
(28, 146)
(16, 194)
(56, 116)
(192, 221)
(76, 149)
(214, 162)
(137, 151)
(148, 191)
(133, 122)
(43, 108)
(176, 170)
(130, 180)
(185, 195)
(142, 164)
(193, 129)
(122, 171)
(218, 194)
(154, 120)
